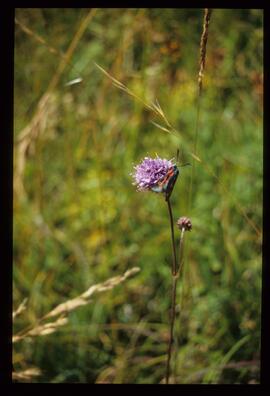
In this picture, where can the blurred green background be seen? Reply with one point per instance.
(78, 219)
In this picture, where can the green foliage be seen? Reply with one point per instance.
(79, 220)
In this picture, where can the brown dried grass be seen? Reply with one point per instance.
(204, 37)
(62, 310)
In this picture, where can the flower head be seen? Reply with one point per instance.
(184, 222)
(150, 172)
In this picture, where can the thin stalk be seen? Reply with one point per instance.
(175, 276)
(181, 250)
(172, 319)
(173, 239)
(203, 44)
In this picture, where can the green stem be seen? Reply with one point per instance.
(172, 319)
(175, 276)
(173, 239)
(181, 251)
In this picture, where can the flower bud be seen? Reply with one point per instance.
(184, 222)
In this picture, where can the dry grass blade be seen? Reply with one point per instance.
(121, 86)
(118, 83)
(203, 42)
(161, 112)
(47, 328)
(66, 307)
(195, 157)
(41, 330)
(110, 283)
(38, 38)
(20, 309)
(204, 37)
(26, 375)
(42, 41)
(153, 107)
(161, 127)
(70, 305)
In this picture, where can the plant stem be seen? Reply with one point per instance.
(175, 276)
(181, 250)
(174, 279)
(172, 319)
(173, 239)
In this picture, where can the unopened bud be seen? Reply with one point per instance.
(184, 222)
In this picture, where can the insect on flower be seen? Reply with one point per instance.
(166, 185)
(156, 174)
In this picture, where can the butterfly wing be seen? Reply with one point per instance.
(157, 188)
(162, 185)
(166, 185)
(174, 172)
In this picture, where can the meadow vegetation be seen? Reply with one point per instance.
(79, 221)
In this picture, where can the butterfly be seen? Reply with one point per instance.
(167, 183)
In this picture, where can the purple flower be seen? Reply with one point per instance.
(150, 171)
